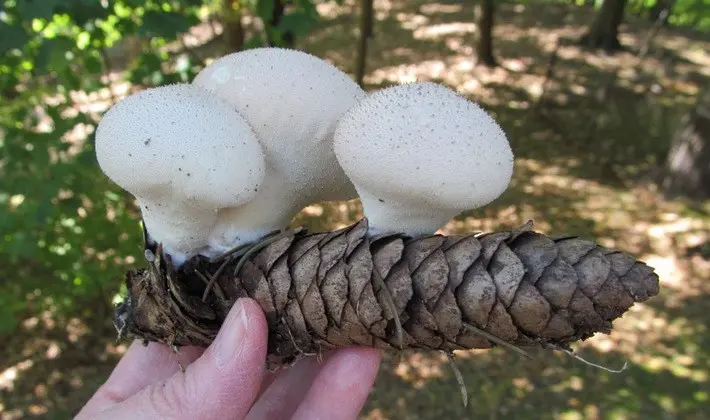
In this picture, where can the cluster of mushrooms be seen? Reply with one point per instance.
(260, 134)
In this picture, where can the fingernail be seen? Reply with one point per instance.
(232, 337)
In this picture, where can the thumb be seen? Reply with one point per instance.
(222, 383)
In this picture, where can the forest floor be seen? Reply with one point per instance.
(589, 143)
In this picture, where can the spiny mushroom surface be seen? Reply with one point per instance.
(185, 155)
(292, 100)
(419, 154)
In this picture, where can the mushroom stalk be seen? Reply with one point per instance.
(254, 220)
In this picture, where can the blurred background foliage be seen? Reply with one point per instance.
(592, 126)
(65, 228)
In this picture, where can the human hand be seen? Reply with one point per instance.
(228, 379)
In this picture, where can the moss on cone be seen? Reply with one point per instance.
(322, 291)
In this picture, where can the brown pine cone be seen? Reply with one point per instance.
(322, 291)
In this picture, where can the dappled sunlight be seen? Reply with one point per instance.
(461, 73)
(455, 66)
(418, 368)
(589, 142)
(407, 73)
(444, 30)
(328, 216)
(47, 345)
(440, 8)
(96, 103)
(9, 375)
(697, 56)
(412, 21)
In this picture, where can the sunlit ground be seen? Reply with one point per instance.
(588, 143)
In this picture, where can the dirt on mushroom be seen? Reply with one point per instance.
(321, 291)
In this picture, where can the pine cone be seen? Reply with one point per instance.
(322, 291)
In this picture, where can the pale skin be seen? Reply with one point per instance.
(228, 379)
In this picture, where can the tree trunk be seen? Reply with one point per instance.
(484, 43)
(661, 11)
(688, 162)
(365, 35)
(231, 17)
(340, 289)
(604, 32)
(287, 38)
(660, 18)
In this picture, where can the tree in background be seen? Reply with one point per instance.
(282, 22)
(285, 37)
(485, 12)
(604, 31)
(688, 162)
(366, 17)
(286, 20)
(230, 15)
(661, 11)
(693, 14)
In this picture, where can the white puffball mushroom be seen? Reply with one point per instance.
(419, 154)
(185, 155)
(292, 100)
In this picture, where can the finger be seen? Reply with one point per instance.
(269, 376)
(222, 383)
(281, 398)
(138, 368)
(342, 385)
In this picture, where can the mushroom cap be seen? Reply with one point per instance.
(182, 145)
(292, 101)
(424, 145)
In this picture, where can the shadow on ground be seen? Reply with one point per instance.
(589, 143)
